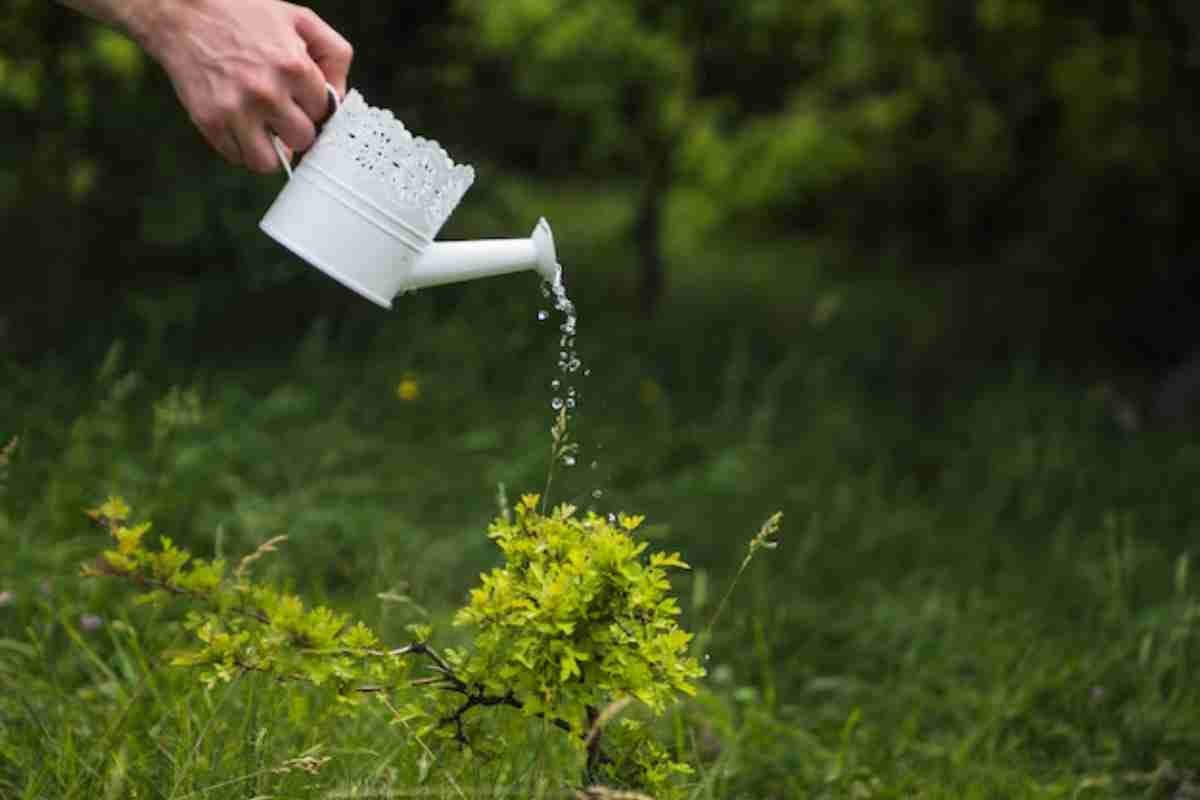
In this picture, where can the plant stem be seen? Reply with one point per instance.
(764, 539)
(728, 593)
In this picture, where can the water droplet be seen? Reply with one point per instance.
(587, 373)
(569, 461)
(598, 493)
(595, 464)
(707, 656)
(612, 519)
(568, 359)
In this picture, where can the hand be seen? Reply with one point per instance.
(245, 68)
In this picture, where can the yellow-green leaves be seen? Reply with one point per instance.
(569, 667)
(577, 616)
(672, 560)
(130, 539)
(630, 522)
(527, 503)
(245, 627)
(638, 760)
(359, 637)
(118, 561)
(420, 633)
(111, 511)
(203, 578)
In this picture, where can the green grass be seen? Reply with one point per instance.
(985, 586)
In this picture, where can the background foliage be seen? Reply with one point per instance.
(1041, 151)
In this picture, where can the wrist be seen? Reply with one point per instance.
(148, 22)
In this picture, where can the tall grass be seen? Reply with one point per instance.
(986, 587)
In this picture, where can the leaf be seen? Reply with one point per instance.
(527, 504)
(129, 540)
(203, 578)
(420, 633)
(568, 667)
(672, 560)
(630, 522)
(120, 562)
(359, 637)
(409, 712)
(20, 648)
(151, 598)
(111, 511)
(187, 658)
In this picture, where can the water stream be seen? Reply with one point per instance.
(565, 394)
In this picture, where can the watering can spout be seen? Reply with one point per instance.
(451, 262)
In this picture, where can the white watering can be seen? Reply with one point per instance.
(367, 200)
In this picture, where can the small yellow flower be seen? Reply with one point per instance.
(409, 389)
(650, 392)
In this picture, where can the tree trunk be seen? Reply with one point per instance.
(648, 232)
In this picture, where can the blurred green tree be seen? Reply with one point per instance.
(623, 74)
(1057, 133)
(1055, 140)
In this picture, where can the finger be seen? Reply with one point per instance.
(230, 148)
(328, 49)
(309, 92)
(224, 142)
(254, 143)
(303, 79)
(292, 125)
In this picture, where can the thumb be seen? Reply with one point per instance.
(326, 47)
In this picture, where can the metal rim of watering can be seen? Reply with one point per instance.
(334, 101)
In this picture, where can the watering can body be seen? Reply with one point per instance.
(367, 200)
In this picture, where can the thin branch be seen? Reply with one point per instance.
(429, 753)
(102, 567)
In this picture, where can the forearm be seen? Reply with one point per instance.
(135, 17)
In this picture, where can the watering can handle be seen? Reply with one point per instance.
(278, 145)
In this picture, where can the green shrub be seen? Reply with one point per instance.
(577, 620)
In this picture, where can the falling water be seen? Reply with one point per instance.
(568, 358)
(566, 396)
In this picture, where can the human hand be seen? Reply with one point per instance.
(246, 68)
